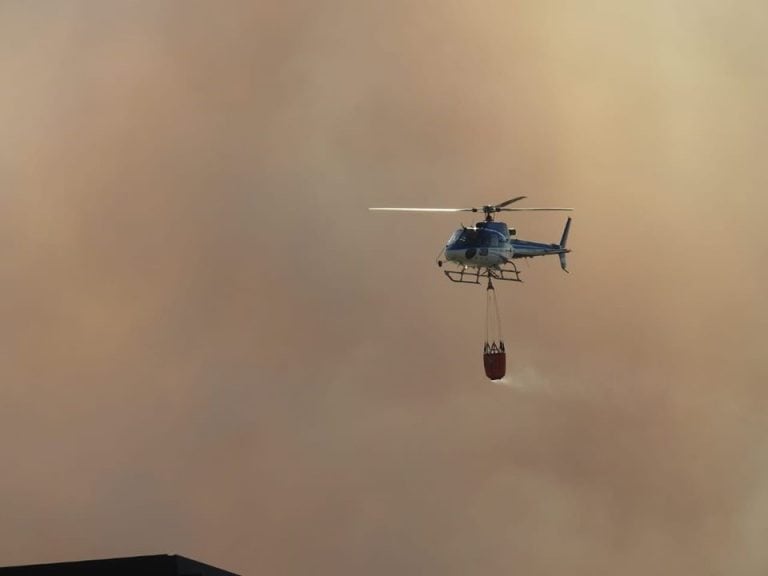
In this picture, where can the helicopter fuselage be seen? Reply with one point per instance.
(491, 244)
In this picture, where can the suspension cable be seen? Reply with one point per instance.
(492, 315)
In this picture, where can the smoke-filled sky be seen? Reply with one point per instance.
(210, 347)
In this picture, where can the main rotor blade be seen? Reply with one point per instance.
(535, 209)
(508, 202)
(423, 209)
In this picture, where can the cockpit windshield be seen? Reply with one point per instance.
(454, 237)
(477, 237)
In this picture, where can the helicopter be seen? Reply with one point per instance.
(488, 249)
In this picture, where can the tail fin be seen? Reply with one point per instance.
(563, 242)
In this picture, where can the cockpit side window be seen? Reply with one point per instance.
(469, 236)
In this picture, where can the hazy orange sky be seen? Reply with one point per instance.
(210, 347)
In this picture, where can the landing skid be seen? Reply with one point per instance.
(472, 276)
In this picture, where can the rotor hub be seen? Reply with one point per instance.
(489, 210)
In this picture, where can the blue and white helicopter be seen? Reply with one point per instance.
(488, 249)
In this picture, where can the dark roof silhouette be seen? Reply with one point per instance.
(159, 565)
